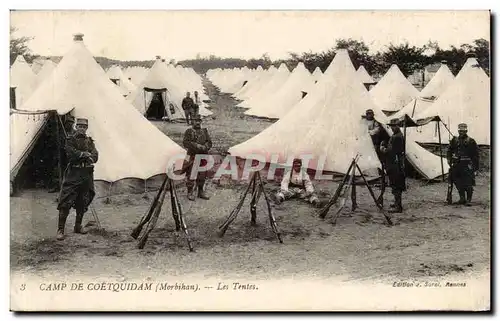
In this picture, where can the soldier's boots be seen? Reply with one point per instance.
(79, 229)
(462, 200)
(398, 206)
(63, 215)
(469, 192)
(201, 193)
(191, 194)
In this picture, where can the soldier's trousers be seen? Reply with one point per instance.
(463, 175)
(297, 192)
(189, 115)
(199, 178)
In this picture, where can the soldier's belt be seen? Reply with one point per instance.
(81, 166)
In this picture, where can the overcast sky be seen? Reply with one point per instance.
(141, 35)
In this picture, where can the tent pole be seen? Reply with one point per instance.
(404, 147)
(440, 149)
(55, 117)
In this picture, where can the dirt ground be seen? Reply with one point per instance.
(428, 240)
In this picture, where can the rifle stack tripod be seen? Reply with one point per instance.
(257, 188)
(347, 184)
(151, 216)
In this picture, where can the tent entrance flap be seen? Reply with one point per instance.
(157, 106)
(40, 167)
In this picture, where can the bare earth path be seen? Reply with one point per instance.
(429, 240)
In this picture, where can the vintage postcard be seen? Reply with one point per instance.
(250, 160)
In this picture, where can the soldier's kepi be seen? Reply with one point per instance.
(463, 158)
(197, 141)
(77, 190)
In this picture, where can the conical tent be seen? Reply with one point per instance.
(364, 76)
(393, 91)
(317, 74)
(23, 79)
(329, 127)
(259, 82)
(156, 96)
(45, 72)
(280, 102)
(116, 75)
(136, 74)
(37, 65)
(129, 146)
(442, 79)
(274, 83)
(466, 100)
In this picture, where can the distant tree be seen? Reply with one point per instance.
(19, 46)
(407, 58)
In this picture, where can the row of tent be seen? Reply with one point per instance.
(330, 111)
(451, 100)
(132, 150)
(156, 92)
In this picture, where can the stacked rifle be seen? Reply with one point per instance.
(150, 218)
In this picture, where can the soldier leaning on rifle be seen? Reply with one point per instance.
(197, 141)
(394, 152)
(463, 157)
(77, 189)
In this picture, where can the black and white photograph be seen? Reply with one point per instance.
(244, 160)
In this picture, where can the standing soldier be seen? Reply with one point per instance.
(394, 152)
(188, 106)
(197, 104)
(377, 133)
(197, 141)
(77, 189)
(463, 157)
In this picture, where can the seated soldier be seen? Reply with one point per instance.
(297, 184)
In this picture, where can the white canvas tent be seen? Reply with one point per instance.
(326, 124)
(317, 74)
(261, 79)
(23, 79)
(393, 91)
(281, 101)
(274, 83)
(466, 100)
(156, 96)
(438, 84)
(116, 75)
(45, 72)
(131, 149)
(136, 74)
(441, 80)
(364, 76)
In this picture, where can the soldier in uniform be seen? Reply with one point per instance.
(77, 189)
(463, 157)
(297, 184)
(394, 160)
(188, 106)
(197, 103)
(375, 130)
(197, 141)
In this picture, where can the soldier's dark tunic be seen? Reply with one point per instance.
(77, 189)
(463, 155)
(188, 106)
(197, 142)
(395, 163)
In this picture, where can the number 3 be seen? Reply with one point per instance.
(23, 287)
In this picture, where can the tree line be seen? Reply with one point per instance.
(408, 58)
